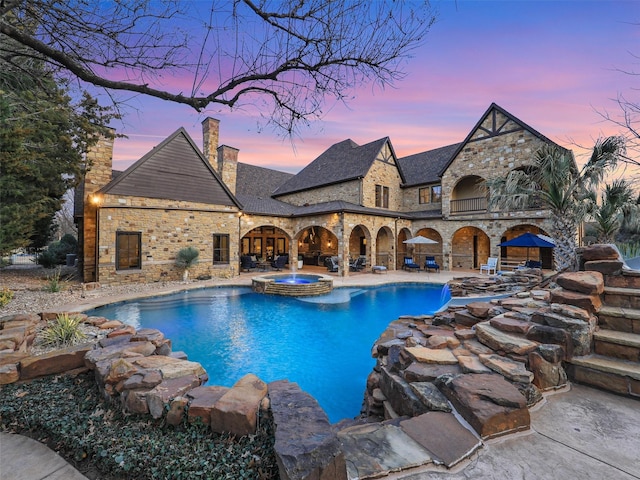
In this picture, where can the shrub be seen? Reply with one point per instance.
(54, 283)
(6, 296)
(187, 257)
(64, 331)
(47, 259)
(67, 244)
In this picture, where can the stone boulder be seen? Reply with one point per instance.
(591, 303)
(590, 283)
(502, 341)
(306, 446)
(490, 404)
(479, 309)
(237, 410)
(202, 401)
(54, 362)
(547, 375)
(599, 252)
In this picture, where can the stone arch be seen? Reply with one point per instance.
(401, 248)
(432, 249)
(469, 195)
(314, 244)
(383, 254)
(265, 241)
(520, 254)
(359, 242)
(470, 247)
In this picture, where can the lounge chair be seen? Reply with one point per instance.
(492, 264)
(532, 264)
(357, 264)
(247, 263)
(332, 263)
(430, 264)
(410, 265)
(280, 262)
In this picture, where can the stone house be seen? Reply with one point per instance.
(353, 200)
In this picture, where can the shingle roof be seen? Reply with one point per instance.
(339, 163)
(258, 181)
(173, 170)
(423, 168)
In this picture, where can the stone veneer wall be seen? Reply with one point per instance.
(166, 227)
(386, 174)
(490, 157)
(347, 191)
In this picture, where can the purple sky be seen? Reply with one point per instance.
(553, 64)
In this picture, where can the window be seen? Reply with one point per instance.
(128, 250)
(431, 194)
(382, 196)
(436, 194)
(220, 248)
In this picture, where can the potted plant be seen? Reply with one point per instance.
(185, 259)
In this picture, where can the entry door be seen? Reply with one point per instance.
(363, 245)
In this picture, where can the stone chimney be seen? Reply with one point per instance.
(99, 165)
(210, 137)
(228, 166)
(98, 173)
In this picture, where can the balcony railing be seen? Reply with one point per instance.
(467, 205)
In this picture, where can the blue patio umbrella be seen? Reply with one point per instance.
(528, 240)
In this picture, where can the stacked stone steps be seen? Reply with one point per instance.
(614, 364)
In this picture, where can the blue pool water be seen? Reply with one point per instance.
(322, 343)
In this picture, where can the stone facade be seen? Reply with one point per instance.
(466, 231)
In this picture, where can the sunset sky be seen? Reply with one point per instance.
(553, 64)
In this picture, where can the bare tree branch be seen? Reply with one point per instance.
(285, 58)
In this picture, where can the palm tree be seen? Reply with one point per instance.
(554, 182)
(617, 208)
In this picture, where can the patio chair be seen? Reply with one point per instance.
(410, 265)
(430, 264)
(331, 263)
(357, 264)
(492, 264)
(280, 262)
(532, 264)
(247, 263)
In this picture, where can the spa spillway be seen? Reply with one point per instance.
(293, 284)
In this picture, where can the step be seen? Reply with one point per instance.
(614, 375)
(616, 344)
(628, 279)
(622, 297)
(618, 318)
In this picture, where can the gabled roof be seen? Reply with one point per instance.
(173, 170)
(498, 129)
(341, 162)
(423, 168)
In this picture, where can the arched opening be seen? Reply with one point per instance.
(384, 248)
(470, 247)
(469, 196)
(359, 243)
(402, 249)
(430, 249)
(518, 255)
(265, 242)
(316, 244)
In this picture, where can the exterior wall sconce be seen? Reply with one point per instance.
(96, 199)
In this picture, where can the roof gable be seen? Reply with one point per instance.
(173, 170)
(341, 162)
(494, 122)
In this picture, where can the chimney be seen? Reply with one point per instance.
(210, 134)
(99, 164)
(228, 166)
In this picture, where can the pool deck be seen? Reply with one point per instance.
(355, 279)
(578, 433)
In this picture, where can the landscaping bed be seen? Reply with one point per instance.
(68, 414)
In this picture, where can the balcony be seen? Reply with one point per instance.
(468, 205)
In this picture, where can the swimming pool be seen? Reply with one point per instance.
(322, 343)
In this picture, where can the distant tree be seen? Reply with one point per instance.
(44, 136)
(555, 183)
(284, 57)
(616, 208)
